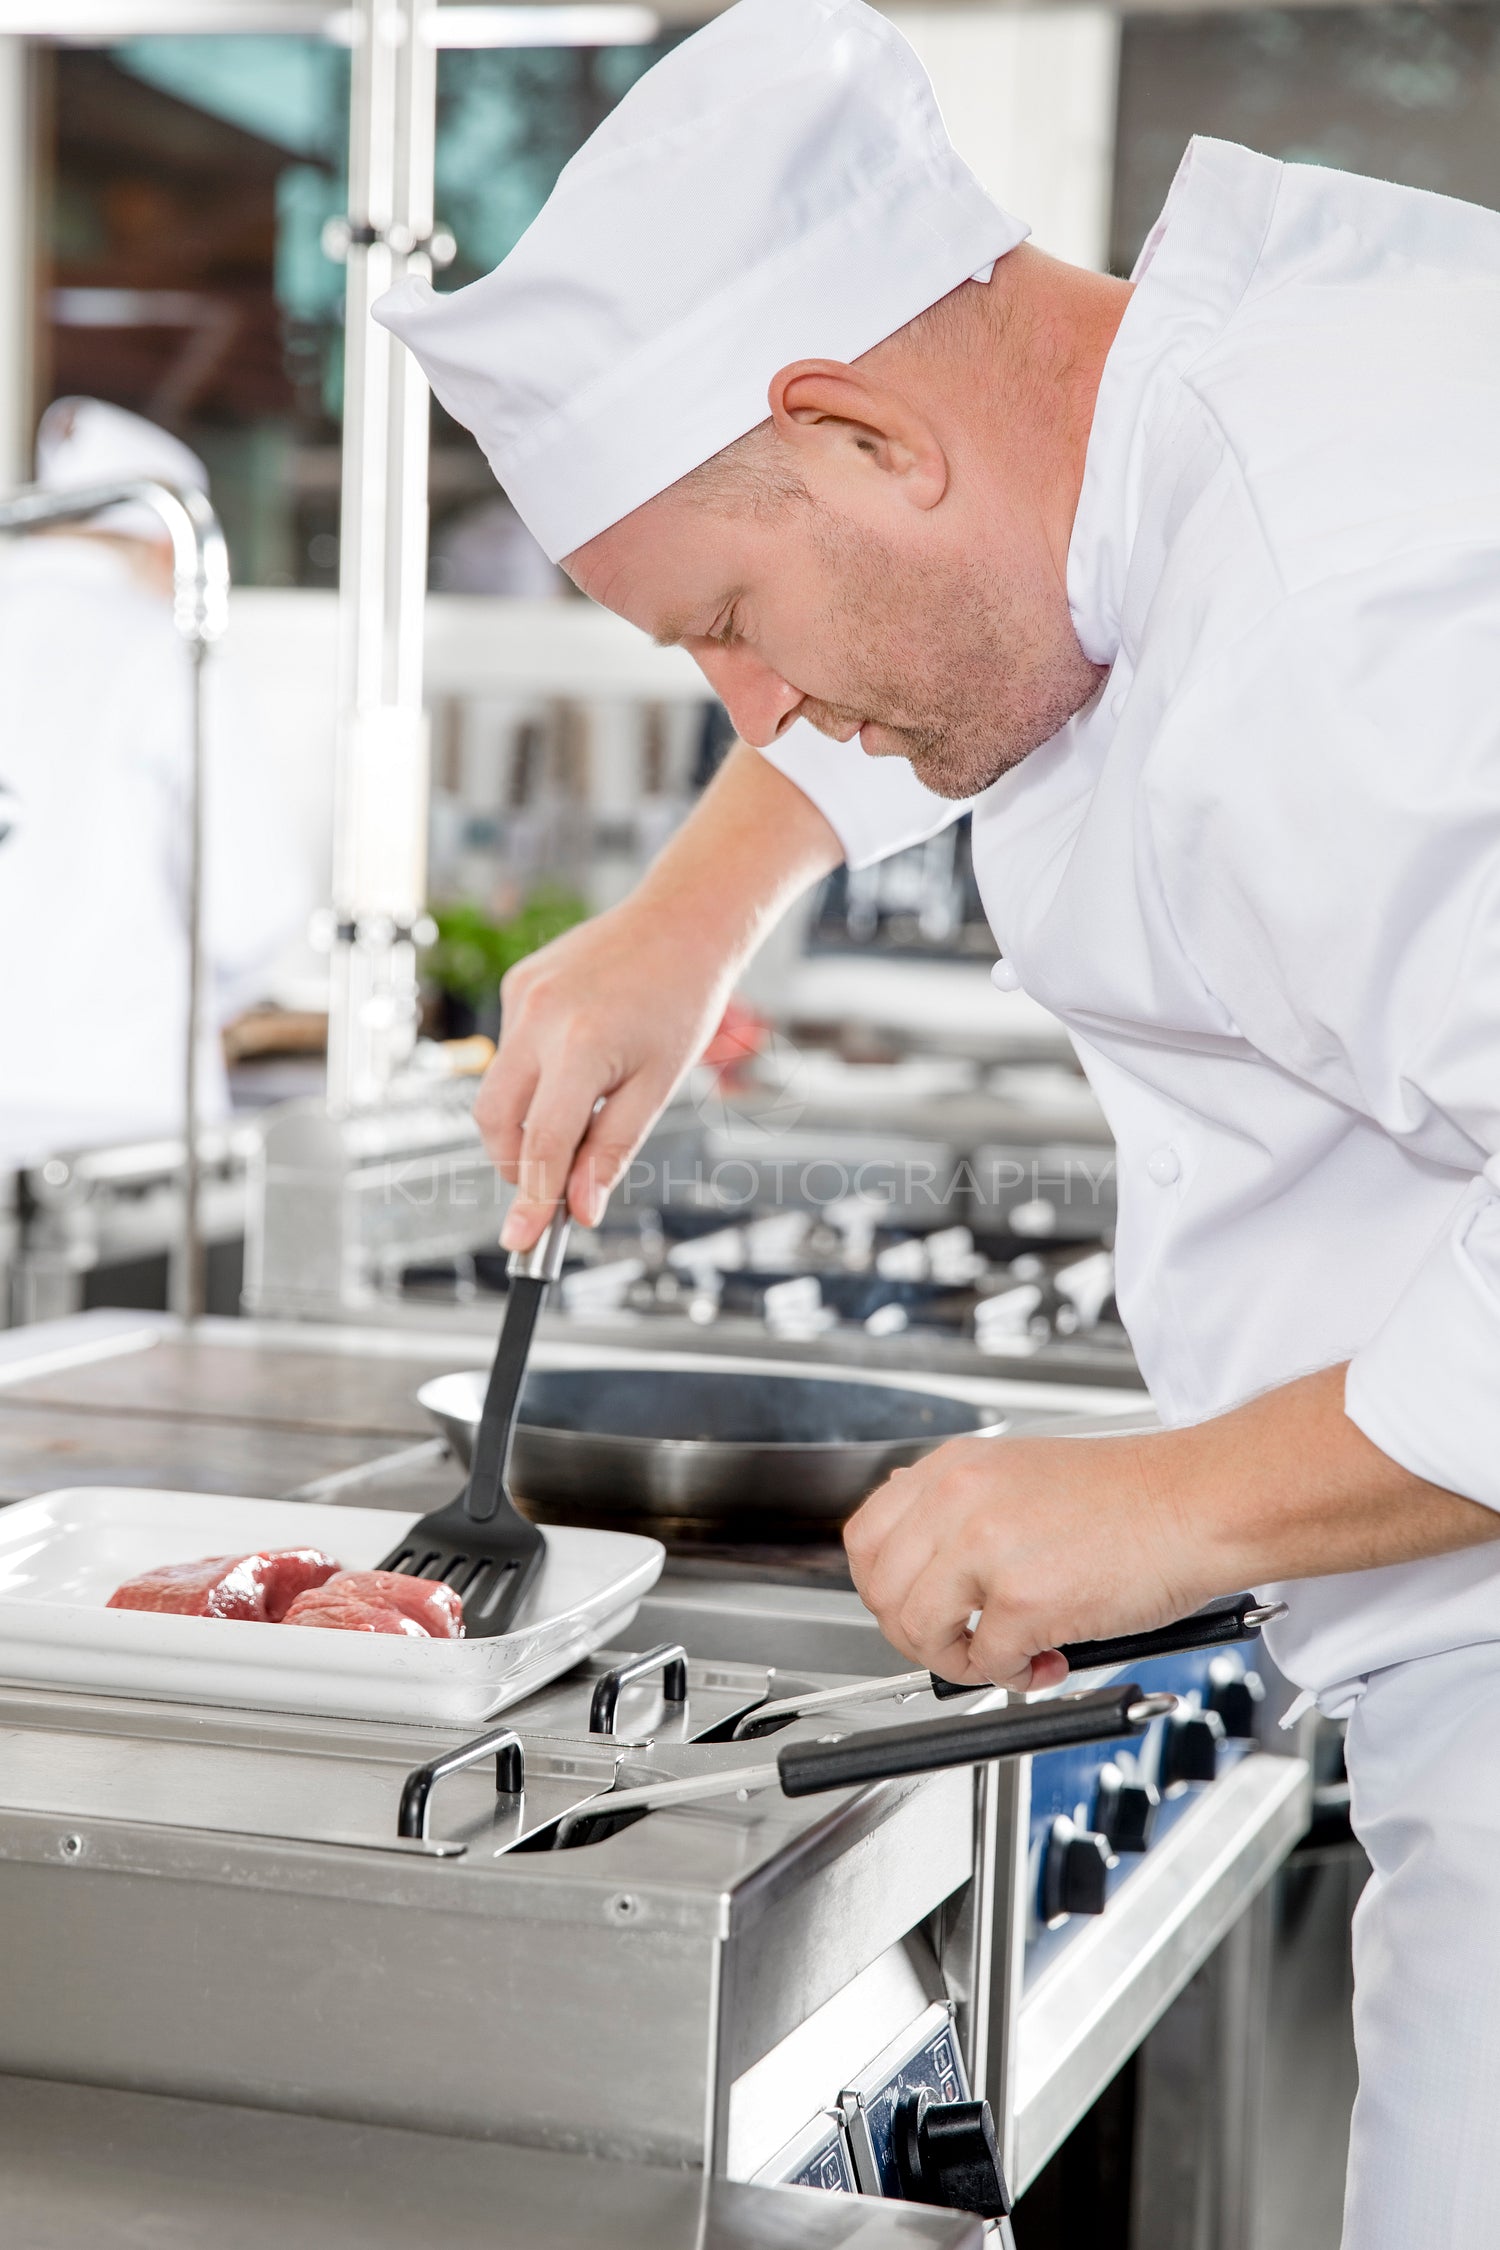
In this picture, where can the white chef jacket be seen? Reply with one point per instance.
(95, 739)
(1258, 877)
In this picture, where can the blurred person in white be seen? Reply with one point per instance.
(95, 759)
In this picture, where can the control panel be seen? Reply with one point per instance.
(927, 2062)
(906, 2128)
(817, 2157)
(1096, 1810)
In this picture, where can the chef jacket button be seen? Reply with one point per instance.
(1117, 705)
(1004, 978)
(1164, 1166)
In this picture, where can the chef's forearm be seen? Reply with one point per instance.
(1287, 1486)
(751, 845)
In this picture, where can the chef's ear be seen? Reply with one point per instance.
(838, 422)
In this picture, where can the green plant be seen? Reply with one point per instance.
(472, 951)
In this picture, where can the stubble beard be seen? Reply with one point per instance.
(963, 678)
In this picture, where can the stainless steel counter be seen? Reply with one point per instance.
(126, 1397)
(82, 2168)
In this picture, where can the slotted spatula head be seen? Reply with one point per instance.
(481, 1545)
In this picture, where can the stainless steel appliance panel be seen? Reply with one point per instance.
(220, 1982)
(597, 1999)
(81, 2167)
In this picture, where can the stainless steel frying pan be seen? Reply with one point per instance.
(777, 1450)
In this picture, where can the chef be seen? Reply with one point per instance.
(95, 750)
(1192, 586)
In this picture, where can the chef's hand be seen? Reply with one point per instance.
(1077, 1539)
(596, 1030)
(1049, 1539)
(598, 1027)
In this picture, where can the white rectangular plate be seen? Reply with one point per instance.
(63, 1554)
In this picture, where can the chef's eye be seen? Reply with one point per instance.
(727, 633)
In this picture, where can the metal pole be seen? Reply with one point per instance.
(189, 1283)
(1011, 1785)
(17, 156)
(200, 612)
(380, 794)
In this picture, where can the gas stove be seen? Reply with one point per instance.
(921, 1210)
(840, 1284)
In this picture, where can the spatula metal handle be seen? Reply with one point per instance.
(544, 1260)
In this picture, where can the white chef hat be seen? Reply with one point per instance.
(778, 187)
(84, 441)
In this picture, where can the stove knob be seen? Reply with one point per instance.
(1236, 1695)
(1125, 1811)
(946, 2154)
(1073, 1872)
(1190, 1748)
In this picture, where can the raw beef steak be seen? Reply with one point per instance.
(258, 1588)
(381, 1601)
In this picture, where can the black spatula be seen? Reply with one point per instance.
(480, 1544)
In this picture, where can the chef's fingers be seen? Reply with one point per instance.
(987, 1649)
(932, 1583)
(556, 1122)
(1049, 1668)
(923, 1592)
(905, 1555)
(924, 1587)
(956, 1662)
(927, 1600)
(1022, 1675)
(869, 1529)
(892, 1537)
(500, 1108)
(619, 1126)
(998, 1651)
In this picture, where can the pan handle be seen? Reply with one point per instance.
(503, 1744)
(670, 1660)
(1023, 1730)
(844, 1762)
(1239, 1620)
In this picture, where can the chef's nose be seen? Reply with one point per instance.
(758, 700)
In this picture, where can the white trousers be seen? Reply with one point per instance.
(1424, 1765)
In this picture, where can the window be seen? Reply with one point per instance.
(187, 182)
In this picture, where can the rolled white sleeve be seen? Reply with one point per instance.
(1424, 1388)
(1336, 855)
(875, 806)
